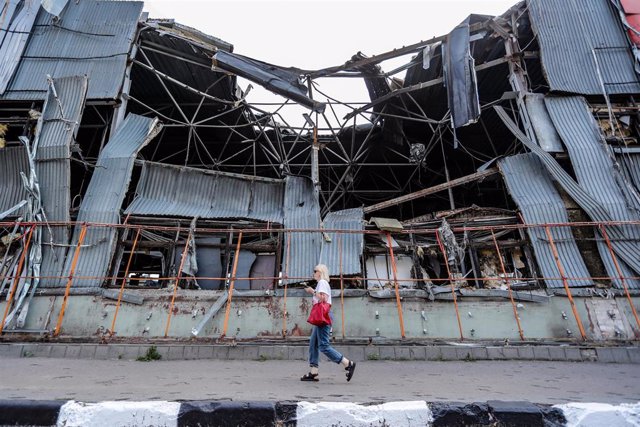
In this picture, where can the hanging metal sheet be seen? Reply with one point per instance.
(167, 190)
(282, 81)
(583, 47)
(343, 248)
(301, 211)
(104, 196)
(91, 37)
(13, 160)
(531, 188)
(55, 132)
(460, 77)
(596, 174)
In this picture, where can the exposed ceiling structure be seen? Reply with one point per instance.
(524, 120)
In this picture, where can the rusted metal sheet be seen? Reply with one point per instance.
(531, 188)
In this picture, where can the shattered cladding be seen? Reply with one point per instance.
(92, 38)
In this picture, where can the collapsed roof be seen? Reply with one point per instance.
(532, 112)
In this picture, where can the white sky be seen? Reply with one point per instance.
(311, 34)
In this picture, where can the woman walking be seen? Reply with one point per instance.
(319, 341)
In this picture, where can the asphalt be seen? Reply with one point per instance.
(278, 380)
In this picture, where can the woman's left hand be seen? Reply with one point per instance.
(322, 297)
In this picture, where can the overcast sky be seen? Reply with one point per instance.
(312, 34)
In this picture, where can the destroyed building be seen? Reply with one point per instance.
(488, 190)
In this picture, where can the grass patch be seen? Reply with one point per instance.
(373, 356)
(151, 355)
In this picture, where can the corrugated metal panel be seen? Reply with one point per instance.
(624, 247)
(167, 190)
(104, 196)
(531, 188)
(13, 160)
(569, 32)
(596, 174)
(92, 38)
(546, 133)
(55, 133)
(15, 25)
(347, 246)
(301, 211)
(630, 165)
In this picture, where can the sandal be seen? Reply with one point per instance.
(350, 370)
(309, 377)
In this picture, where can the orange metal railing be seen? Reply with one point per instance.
(430, 233)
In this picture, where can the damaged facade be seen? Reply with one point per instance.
(488, 190)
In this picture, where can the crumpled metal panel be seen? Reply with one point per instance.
(596, 174)
(55, 133)
(460, 77)
(92, 38)
(623, 246)
(13, 160)
(531, 188)
(630, 166)
(343, 248)
(301, 211)
(574, 34)
(546, 133)
(167, 190)
(282, 81)
(16, 23)
(103, 199)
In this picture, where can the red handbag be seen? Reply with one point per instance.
(319, 315)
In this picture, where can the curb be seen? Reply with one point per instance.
(561, 353)
(293, 414)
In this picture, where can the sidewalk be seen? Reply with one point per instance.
(271, 380)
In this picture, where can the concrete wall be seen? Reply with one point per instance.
(603, 319)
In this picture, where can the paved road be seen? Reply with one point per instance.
(95, 380)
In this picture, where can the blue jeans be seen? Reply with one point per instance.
(319, 342)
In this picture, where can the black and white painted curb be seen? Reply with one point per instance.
(318, 414)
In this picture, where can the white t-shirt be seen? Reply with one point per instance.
(323, 287)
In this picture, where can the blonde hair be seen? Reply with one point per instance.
(324, 271)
